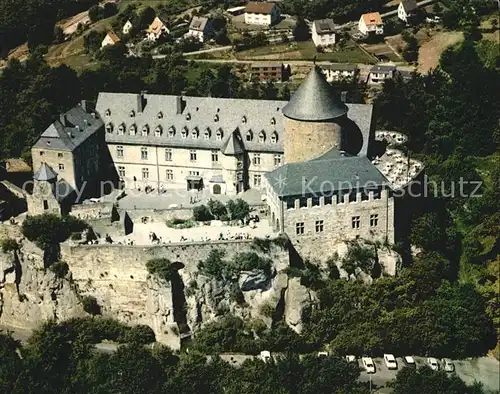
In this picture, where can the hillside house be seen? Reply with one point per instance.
(270, 71)
(200, 28)
(156, 29)
(339, 72)
(378, 74)
(371, 24)
(323, 32)
(261, 13)
(407, 10)
(127, 27)
(110, 39)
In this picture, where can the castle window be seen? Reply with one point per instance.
(262, 136)
(145, 130)
(109, 128)
(194, 173)
(121, 171)
(249, 135)
(60, 155)
(299, 228)
(355, 222)
(133, 129)
(145, 173)
(132, 113)
(273, 120)
(144, 153)
(219, 134)
(61, 167)
(274, 137)
(160, 115)
(158, 131)
(184, 132)
(45, 205)
(119, 152)
(171, 131)
(207, 133)
(121, 129)
(216, 118)
(108, 112)
(188, 116)
(168, 154)
(42, 153)
(374, 220)
(319, 226)
(215, 156)
(257, 179)
(277, 160)
(192, 155)
(169, 175)
(244, 119)
(256, 159)
(194, 133)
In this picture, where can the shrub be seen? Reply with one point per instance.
(237, 209)
(217, 209)
(8, 245)
(248, 261)
(140, 334)
(215, 266)
(161, 268)
(76, 236)
(91, 306)
(180, 223)
(201, 213)
(60, 269)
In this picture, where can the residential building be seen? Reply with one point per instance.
(156, 29)
(378, 74)
(323, 32)
(270, 71)
(235, 11)
(371, 24)
(110, 39)
(262, 13)
(407, 10)
(405, 74)
(200, 28)
(127, 27)
(339, 72)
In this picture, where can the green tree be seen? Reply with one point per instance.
(217, 209)
(161, 267)
(301, 30)
(238, 209)
(95, 13)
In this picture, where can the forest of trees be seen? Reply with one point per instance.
(62, 359)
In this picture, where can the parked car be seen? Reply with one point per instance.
(265, 356)
(433, 363)
(350, 359)
(448, 365)
(409, 361)
(390, 361)
(368, 364)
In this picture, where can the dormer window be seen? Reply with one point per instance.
(132, 113)
(171, 131)
(273, 120)
(244, 119)
(208, 133)
(108, 112)
(109, 128)
(132, 130)
(188, 116)
(194, 133)
(274, 137)
(145, 130)
(216, 118)
(249, 135)
(121, 129)
(219, 134)
(158, 131)
(184, 132)
(262, 137)
(160, 115)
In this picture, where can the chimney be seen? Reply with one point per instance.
(181, 104)
(343, 96)
(83, 104)
(62, 119)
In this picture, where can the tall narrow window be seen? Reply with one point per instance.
(256, 159)
(119, 152)
(257, 179)
(192, 155)
(144, 153)
(168, 154)
(215, 156)
(169, 175)
(319, 226)
(355, 222)
(145, 173)
(374, 220)
(299, 228)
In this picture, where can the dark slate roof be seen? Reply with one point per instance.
(329, 173)
(242, 114)
(78, 126)
(233, 145)
(45, 173)
(198, 23)
(314, 100)
(324, 26)
(409, 5)
(339, 67)
(386, 69)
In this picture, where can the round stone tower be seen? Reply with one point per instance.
(313, 119)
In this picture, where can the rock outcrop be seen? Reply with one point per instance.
(298, 301)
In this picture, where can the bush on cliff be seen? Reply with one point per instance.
(161, 268)
(60, 269)
(91, 306)
(8, 245)
(141, 334)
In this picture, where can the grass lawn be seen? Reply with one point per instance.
(305, 50)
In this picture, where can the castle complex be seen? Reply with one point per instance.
(310, 157)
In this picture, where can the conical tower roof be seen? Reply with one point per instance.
(45, 173)
(314, 100)
(233, 145)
